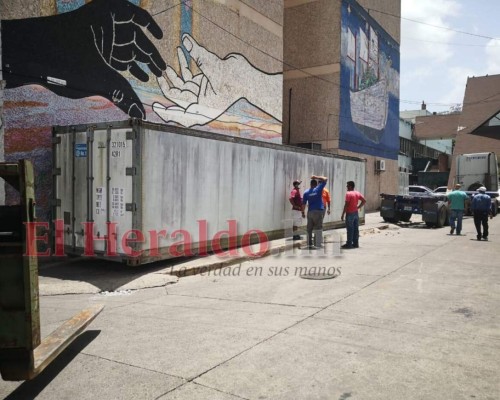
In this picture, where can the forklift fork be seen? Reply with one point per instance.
(23, 355)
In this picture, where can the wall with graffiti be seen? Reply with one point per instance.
(184, 62)
(369, 113)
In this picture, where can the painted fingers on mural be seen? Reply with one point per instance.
(202, 98)
(84, 53)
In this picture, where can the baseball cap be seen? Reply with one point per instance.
(481, 189)
(297, 182)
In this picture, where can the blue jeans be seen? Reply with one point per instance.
(352, 225)
(458, 216)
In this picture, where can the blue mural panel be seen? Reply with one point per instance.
(369, 79)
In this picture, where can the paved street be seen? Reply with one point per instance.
(412, 314)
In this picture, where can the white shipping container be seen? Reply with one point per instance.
(174, 185)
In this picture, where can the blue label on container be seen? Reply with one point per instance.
(80, 149)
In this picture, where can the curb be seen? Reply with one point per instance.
(212, 266)
(183, 272)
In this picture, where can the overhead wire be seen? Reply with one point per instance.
(298, 68)
(432, 25)
(182, 2)
(326, 80)
(452, 44)
(304, 71)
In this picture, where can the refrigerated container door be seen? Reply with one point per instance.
(82, 156)
(63, 185)
(122, 173)
(99, 206)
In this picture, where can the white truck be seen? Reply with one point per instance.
(479, 169)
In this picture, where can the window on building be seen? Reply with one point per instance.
(495, 121)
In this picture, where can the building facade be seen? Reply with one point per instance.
(476, 129)
(341, 83)
(427, 150)
(208, 64)
(313, 73)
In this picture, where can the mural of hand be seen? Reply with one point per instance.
(202, 98)
(82, 53)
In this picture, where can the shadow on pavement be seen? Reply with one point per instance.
(103, 274)
(31, 389)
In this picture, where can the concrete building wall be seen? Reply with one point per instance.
(377, 181)
(311, 94)
(307, 101)
(387, 13)
(224, 77)
(312, 31)
(316, 105)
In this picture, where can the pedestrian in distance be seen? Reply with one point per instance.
(353, 203)
(327, 200)
(456, 202)
(297, 210)
(313, 199)
(481, 208)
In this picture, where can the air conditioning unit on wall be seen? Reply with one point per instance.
(380, 165)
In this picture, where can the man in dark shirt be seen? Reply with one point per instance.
(481, 207)
(314, 200)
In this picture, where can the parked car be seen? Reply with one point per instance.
(441, 189)
(415, 190)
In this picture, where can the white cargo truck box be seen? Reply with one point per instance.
(476, 170)
(138, 192)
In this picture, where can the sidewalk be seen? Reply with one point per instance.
(373, 224)
(92, 276)
(413, 314)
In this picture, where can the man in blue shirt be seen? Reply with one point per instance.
(314, 200)
(481, 207)
(456, 200)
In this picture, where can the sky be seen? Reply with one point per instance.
(435, 63)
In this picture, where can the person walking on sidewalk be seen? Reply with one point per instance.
(297, 210)
(351, 207)
(314, 200)
(456, 201)
(481, 208)
(326, 202)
